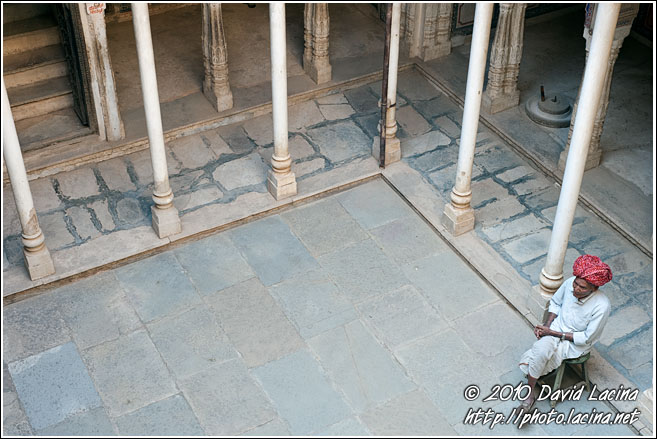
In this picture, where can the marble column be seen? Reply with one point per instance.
(316, 42)
(166, 221)
(625, 18)
(458, 216)
(593, 82)
(281, 181)
(215, 58)
(37, 257)
(103, 84)
(392, 143)
(502, 89)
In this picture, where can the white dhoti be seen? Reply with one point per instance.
(545, 355)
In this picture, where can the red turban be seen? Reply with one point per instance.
(592, 269)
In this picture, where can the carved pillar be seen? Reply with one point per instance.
(316, 42)
(627, 14)
(37, 257)
(103, 84)
(437, 30)
(215, 58)
(502, 89)
(426, 29)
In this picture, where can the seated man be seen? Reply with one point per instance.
(576, 316)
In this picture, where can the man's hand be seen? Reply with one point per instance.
(542, 330)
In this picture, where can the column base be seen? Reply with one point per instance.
(166, 222)
(537, 303)
(458, 221)
(220, 102)
(437, 51)
(281, 185)
(319, 74)
(500, 103)
(645, 404)
(39, 263)
(592, 159)
(393, 150)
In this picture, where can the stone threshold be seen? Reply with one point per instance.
(585, 198)
(81, 151)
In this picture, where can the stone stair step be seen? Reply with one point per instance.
(26, 35)
(40, 98)
(34, 66)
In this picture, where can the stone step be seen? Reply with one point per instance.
(40, 98)
(33, 33)
(34, 66)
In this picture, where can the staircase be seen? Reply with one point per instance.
(35, 69)
(35, 72)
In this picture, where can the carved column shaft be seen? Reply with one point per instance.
(502, 89)
(316, 42)
(215, 58)
(627, 14)
(437, 31)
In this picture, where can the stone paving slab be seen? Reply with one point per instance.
(53, 385)
(170, 417)
(313, 303)
(301, 393)
(227, 400)
(157, 286)
(263, 244)
(348, 427)
(401, 316)
(358, 364)
(191, 342)
(362, 270)
(96, 310)
(411, 414)
(225, 267)
(94, 422)
(254, 322)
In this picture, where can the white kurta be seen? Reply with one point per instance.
(584, 318)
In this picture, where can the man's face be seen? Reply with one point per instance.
(582, 288)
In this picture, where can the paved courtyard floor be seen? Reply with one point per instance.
(348, 315)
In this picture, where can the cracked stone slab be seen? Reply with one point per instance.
(169, 417)
(409, 239)
(192, 151)
(358, 364)
(401, 316)
(191, 342)
(115, 175)
(224, 265)
(340, 141)
(254, 322)
(313, 303)
(101, 209)
(623, 322)
(53, 385)
(96, 310)
(157, 286)
(303, 115)
(301, 393)
(443, 279)
(529, 247)
(260, 129)
(362, 270)
(410, 414)
(246, 171)
(424, 143)
(411, 121)
(81, 219)
(324, 226)
(43, 193)
(513, 228)
(79, 183)
(55, 231)
(374, 204)
(272, 250)
(227, 400)
(336, 111)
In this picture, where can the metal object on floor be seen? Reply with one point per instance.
(552, 112)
